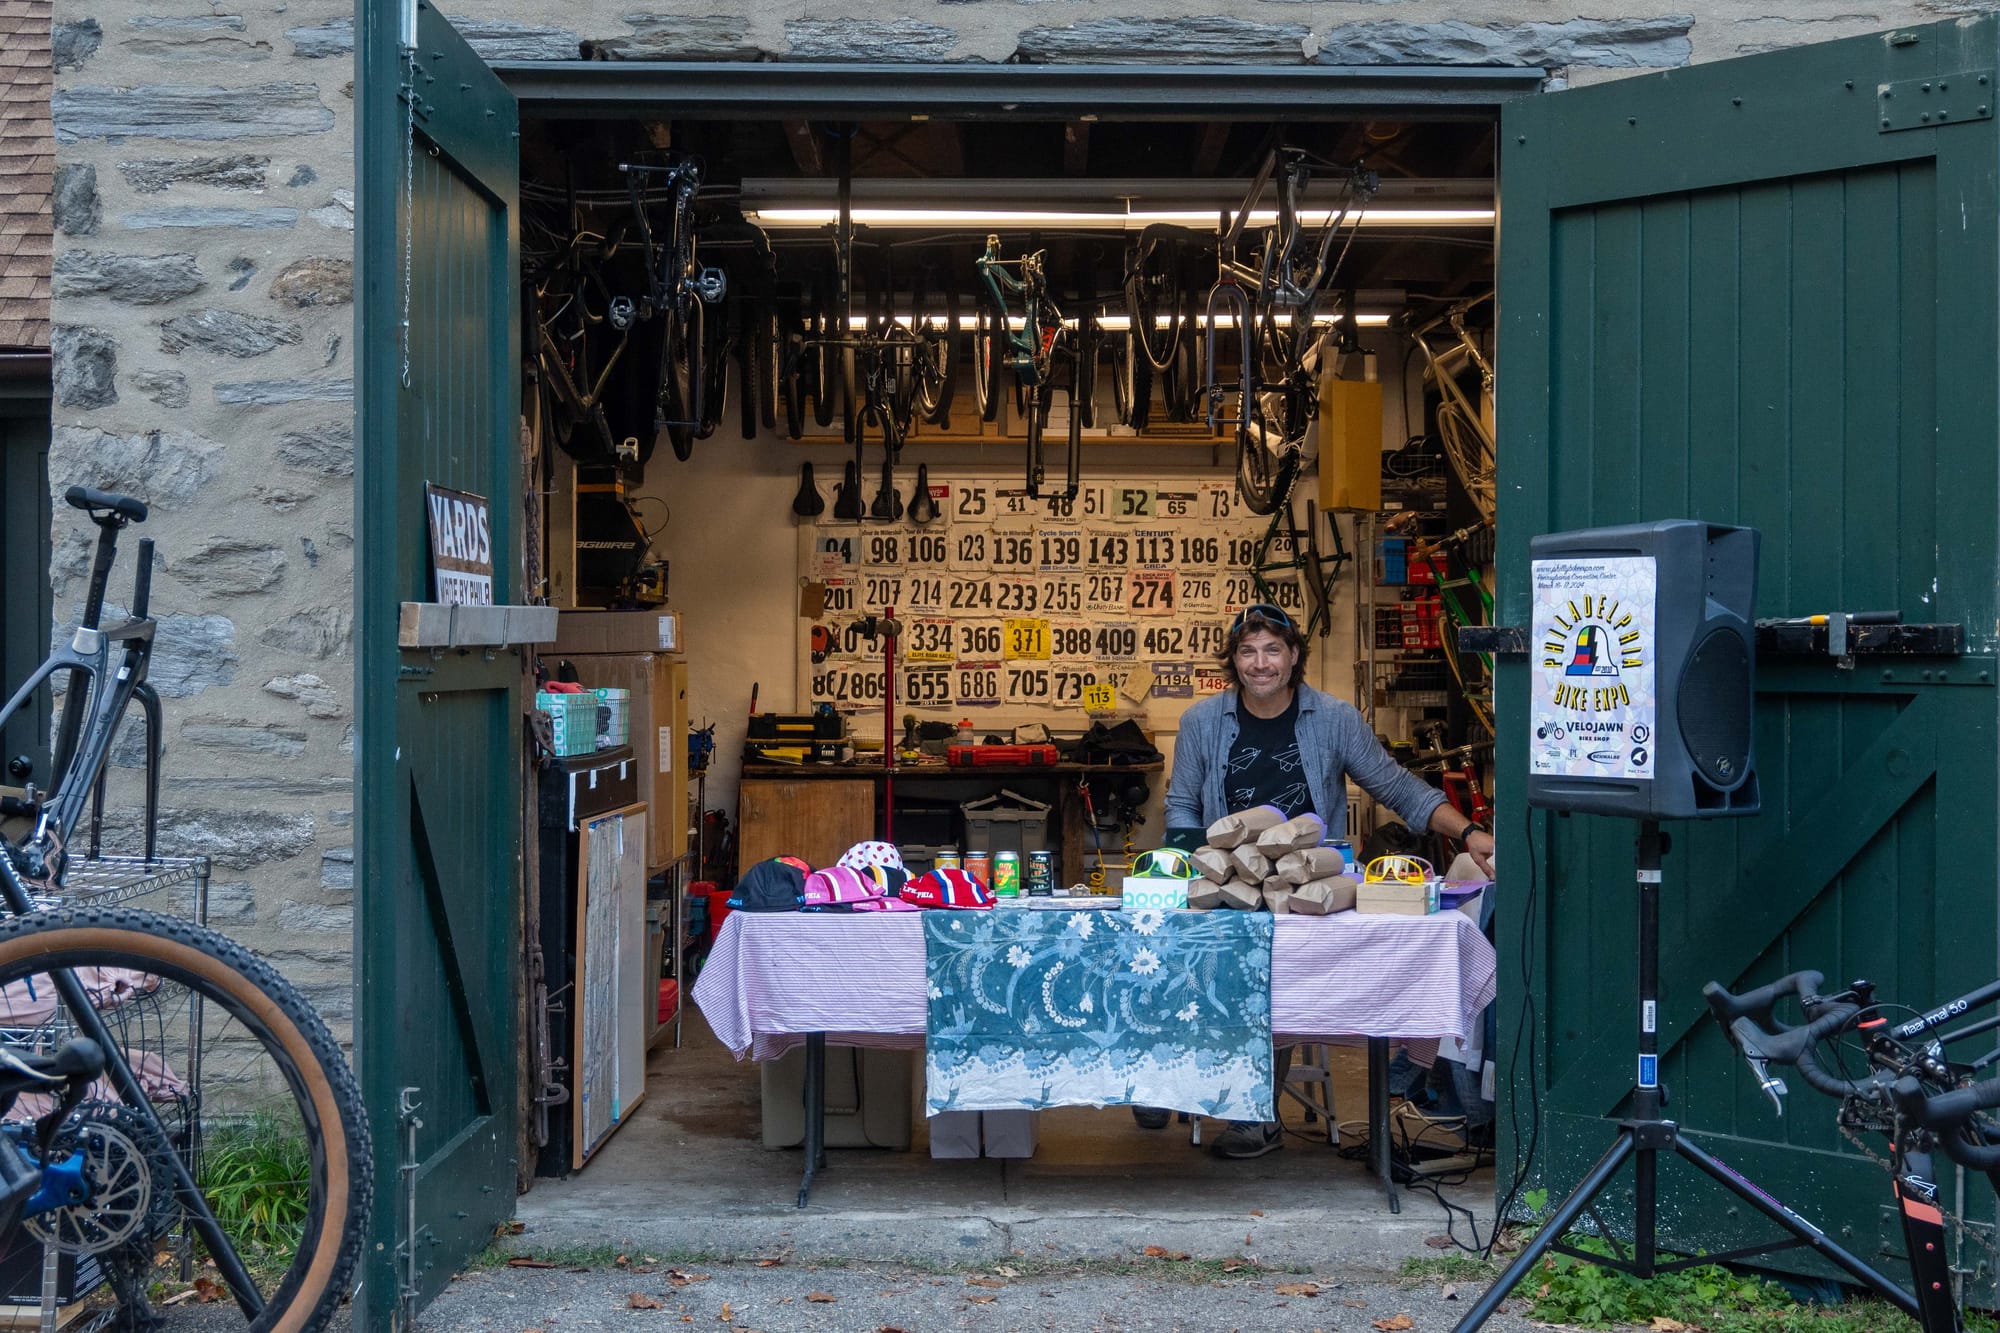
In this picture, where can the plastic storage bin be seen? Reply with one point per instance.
(572, 720)
(1006, 822)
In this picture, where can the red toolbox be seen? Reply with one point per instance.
(1012, 756)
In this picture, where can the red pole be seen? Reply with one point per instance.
(889, 726)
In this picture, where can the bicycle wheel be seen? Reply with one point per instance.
(1089, 338)
(1138, 382)
(1153, 291)
(1266, 463)
(1115, 350)
(718, 351)
(792, 362)
(939, 366)
(988, 346)
(681, 378)
(239, 1103)
(1182, 378)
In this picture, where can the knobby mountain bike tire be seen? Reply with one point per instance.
(237, 1072)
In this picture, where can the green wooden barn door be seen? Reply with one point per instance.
(1761, 291)
(438, 796)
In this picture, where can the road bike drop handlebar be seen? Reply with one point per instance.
(1763, 1040)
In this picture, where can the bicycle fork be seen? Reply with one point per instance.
(1232, 295)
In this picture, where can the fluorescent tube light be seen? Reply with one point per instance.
(1080, 220)
(1121, 323)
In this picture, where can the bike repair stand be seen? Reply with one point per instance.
(1643, 1137)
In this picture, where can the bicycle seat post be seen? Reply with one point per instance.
(100, 569)
(142, 580)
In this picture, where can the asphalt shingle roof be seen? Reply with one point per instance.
(27, 170)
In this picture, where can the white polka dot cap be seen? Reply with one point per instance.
(864, 854)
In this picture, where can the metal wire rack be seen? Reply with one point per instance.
(158, 1026)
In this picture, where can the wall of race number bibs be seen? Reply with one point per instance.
(1105, 602)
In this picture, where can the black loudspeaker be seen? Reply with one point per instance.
(1642, 671)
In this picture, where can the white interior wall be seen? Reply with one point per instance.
(732, 542)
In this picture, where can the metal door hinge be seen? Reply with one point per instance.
(1927, 103)
(406, 1250)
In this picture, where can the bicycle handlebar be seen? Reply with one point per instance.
(1762, 1039)
(1948, 1112)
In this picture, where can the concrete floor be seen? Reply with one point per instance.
(687, 1175)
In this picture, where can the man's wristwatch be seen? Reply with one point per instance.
(1465, 834)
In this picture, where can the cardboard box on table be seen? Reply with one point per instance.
(1395, 899)
(600, 632)
(657, 683)
(1154, 892)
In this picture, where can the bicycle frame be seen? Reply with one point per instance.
(1471, 453)
(1032, 353)
(1278, 281)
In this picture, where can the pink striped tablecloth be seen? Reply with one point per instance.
(773, 977)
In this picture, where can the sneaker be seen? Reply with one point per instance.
(1152, 1117)
(1249, 1138)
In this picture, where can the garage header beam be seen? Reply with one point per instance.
(587, 89)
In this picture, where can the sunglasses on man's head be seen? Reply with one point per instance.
(1264, 611)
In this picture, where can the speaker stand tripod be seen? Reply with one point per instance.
(1644, 1135)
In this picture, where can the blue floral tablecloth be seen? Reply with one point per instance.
(1040, 1008)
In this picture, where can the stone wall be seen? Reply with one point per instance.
(204, 350)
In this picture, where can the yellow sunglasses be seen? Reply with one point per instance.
(1399, 870)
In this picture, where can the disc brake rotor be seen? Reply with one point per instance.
(129, 1185)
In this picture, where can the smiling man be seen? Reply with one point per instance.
(1272, 739)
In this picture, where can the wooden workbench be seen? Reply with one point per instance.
(818, 811)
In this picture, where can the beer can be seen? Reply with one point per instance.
(947, 861)
(1006, 874)
(1041, 874)
(980, 867)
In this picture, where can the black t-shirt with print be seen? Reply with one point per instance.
(1264, 763)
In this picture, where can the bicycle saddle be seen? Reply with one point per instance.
(847, 500)
(83, 497)
(808, 502)
(923, 509)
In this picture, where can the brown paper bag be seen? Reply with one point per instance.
(1243, 826)
(1242, 896)
(1324, 897)
(1204, 894)
(1295, 834)
(1213, 863)
(1278, 895)
(1251, 864)
(1311, 863)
